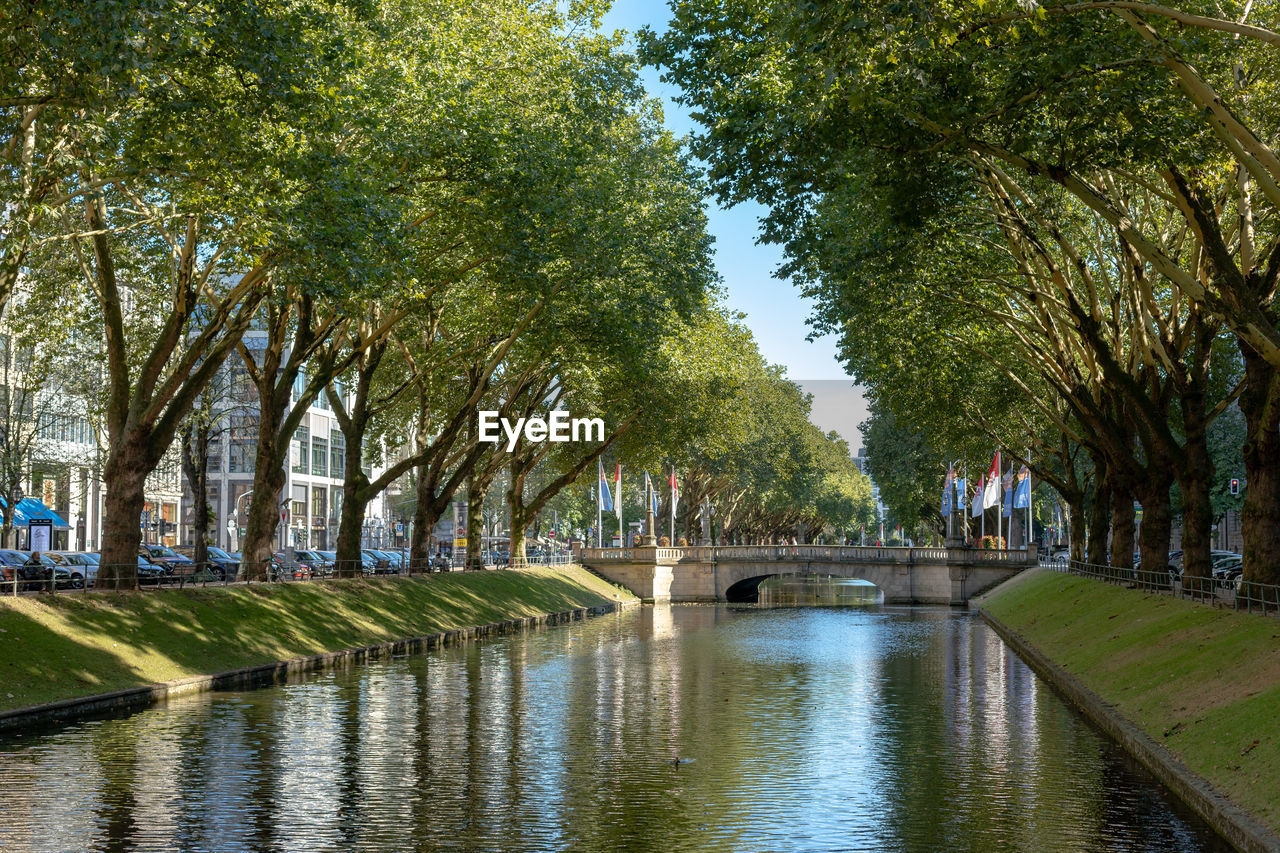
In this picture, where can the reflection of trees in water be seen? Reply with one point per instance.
(898, 729)
(997, 761)
(816, 591)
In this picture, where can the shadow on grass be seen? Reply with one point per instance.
(88, 644)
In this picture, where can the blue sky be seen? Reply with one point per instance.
(774, 309)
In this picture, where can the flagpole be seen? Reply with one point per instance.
(1030, 492)
(673, 506)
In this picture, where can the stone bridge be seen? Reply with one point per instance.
(734, 572)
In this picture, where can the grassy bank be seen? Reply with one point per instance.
(1203, 682)
(69, 645)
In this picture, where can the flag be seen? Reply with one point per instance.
(606, 497)
(1022, 494)
(1008, 495)
(975, 503)
(962, 497)
(675, 490)
(991, 495)
(946, 491)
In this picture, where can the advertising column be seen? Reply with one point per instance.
(459, 534)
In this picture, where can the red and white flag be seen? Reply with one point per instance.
(991, 496)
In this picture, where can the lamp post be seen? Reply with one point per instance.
(235, 518)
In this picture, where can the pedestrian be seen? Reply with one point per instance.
(35, 571)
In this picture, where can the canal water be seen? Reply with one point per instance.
(669, 728)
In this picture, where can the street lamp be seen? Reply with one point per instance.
(233, 525)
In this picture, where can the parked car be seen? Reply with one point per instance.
(368, 565)
(395, 558)
(176, 564)
(82, 566)
(320, 565)
(1217, 558)
(1228, 571)
(384, 562)
(13, 565)
(222, 566)
(152, 574)
(282, 568)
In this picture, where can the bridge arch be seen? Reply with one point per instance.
(747, 590)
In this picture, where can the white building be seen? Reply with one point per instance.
(311, 501)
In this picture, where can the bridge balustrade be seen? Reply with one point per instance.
(797, 553)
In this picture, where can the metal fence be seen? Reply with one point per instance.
(20, 580)
(1236, 593)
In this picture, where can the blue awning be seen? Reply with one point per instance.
(29, 508)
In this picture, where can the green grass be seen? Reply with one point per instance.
(1204, 682)
(62, 646)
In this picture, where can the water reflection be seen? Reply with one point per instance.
(816, 591)
(814, 729)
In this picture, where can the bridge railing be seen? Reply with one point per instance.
(807, 553)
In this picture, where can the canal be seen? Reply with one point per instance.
(669, 728)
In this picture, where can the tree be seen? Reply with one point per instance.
(829, 96)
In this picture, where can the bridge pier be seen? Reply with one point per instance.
(904, 575)
(647, 571)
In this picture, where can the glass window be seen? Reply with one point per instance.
(302, 448)
(337, 453)
(242, 444)
(242, 457)
(319, 503)
(319, 456)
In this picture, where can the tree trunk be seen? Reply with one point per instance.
(195, 465)
(125, 474)
(269, 479)
(264, 515)
(351, 521)
(519, 514)
(1076, 519)
(1157, 521)
(1099, 517)
(424, 519)
(1121, 527)
(476, 491)
(1197, 514)
(1260, 515)
(350, 525)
